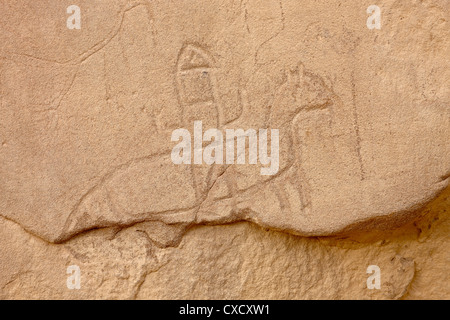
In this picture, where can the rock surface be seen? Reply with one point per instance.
(235, 261)
(87, 179)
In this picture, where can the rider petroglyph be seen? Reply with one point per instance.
(85, 133)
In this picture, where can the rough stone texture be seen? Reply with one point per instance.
(236, 261)
(86, 176)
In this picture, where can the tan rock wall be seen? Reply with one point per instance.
(235, 261)
(87, 176)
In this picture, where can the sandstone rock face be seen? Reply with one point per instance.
(358, 133)
(152, 260)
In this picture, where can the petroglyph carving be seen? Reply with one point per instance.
(102, 157)
(216, 193)
(86, 124)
